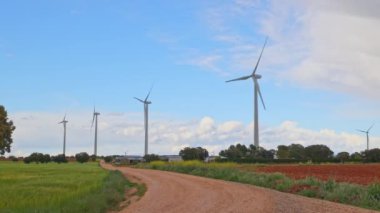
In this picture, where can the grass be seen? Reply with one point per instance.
(52, 187)
(352, 194)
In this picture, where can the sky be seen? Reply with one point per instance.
(320, 68)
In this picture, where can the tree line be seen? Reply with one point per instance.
(283, 154)
(36, 157)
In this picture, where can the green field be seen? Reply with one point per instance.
(71, 187)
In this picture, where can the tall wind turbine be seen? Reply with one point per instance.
(367, 133)
(95, 118)
(257, 92)
(64, 122)
(146, 105)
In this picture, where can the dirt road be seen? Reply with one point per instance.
(172, 192)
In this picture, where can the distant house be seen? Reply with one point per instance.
(211, 159)
(171, 158)
(128, 159)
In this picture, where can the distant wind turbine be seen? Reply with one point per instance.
(146, 105)
(367, 133)
(95, 119)
(257, 92)
(64, 122)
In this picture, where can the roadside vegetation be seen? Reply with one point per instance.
(352, 194)
(51, 187)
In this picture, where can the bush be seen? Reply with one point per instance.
(27, 160)
(46, 158)
(374, 192)
(151, 157)
(37, 158)
(192, 153)
(12, 158)
(82, 157)
(93, 158)
(59, 158)
(108, 159)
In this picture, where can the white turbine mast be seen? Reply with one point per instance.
(257, 92)
(64, 122)
(146, 103)
(95, 119)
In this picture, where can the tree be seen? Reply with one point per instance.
(59, 158)
(343, 156)
(12, 158)
(108, 159)
(6, 130)
(151, 157)
(197, 153)
(238, 152)
(356, 156)
(82, 157)
(46, 158)
(282, 152)
(234, 152)
(318, 152)
(372, 155)
(27, 160)
(38, 158)
(296, 151)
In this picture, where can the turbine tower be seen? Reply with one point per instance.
(257, 92)
(64, 122)
(146, 106)
(95, 118)
(367, 133)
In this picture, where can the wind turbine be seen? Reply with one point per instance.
(95, 118)
(257, 92)
(64, 122)
(146, 105)
(367, 133)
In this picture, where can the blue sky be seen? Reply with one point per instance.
(320, 82)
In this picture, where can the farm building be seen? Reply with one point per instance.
(171, 158)
(128, 159)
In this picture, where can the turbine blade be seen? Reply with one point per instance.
(240, 79)
(139, 100)
(258, 61)
(359, 130)
(149, 93)
(370, 127)
(259, 91)
(93, 119)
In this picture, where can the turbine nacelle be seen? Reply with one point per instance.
(63, 120)
(257, 76)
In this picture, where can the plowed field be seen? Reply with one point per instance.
(352, 173)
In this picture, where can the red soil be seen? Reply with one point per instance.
(352, 173)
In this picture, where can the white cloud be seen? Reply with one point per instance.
(335, 44)
(40, 132)
(289, 132)
(342, 52)
(328, 45)
(206, 62)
